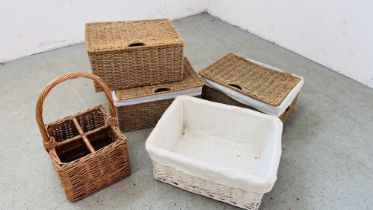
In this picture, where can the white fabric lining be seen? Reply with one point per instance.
(217, 142)
(157, 97)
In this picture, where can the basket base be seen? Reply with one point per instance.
(233, 196)
(217, 96)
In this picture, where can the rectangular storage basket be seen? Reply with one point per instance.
(87, 149)
(223, 152)
(135, 53)
(239, 81)
(141, 107)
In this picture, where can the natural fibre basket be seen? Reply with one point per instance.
(217, 96)
(243, 82)
(87, 149)
(146, 113)
(128, 54)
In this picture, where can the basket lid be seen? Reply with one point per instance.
(112, 36)
(191, 80)
(251, 78)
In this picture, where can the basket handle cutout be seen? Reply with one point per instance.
(136, 44)
(158, 90)
(54, 83)
(235, 86)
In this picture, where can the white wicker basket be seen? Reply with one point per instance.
(227, 153)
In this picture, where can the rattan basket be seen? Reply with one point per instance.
(239, 81)
(135, 53)
(141, 107)
(87, 149)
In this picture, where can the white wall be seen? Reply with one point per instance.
(335, 33)
(28, 27)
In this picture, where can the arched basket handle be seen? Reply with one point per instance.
(58, 80)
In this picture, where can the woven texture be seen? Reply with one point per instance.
(87, 149)
(191, 80)
(217, 96)
(135, 53)
(234, 196)
(146, 115)
(251, 79)
(140, 116)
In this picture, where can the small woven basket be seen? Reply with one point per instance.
(135, 53)
(146, 115)
(87, 149)
(244, 78)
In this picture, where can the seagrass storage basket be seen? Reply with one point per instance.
(141, 107)
(223, 152)
(87, 149)
(135, 53)
(239, 81)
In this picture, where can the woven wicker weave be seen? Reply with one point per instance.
(251, 79)
(234, 196)
(87, 149)
(146, 115)
(217, 96)
(135, 53)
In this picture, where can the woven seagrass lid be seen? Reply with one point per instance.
(191, 80)
(251, 79)
(111, 36)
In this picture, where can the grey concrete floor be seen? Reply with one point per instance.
(327, 144)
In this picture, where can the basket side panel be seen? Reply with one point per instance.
(140, 67)
(83, 177)
(217, 96)
(234, 196)
(289, 111)
(140, 116)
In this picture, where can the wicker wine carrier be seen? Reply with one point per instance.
(87, 149)
(135, 53)
(141, 107)
(238, 81)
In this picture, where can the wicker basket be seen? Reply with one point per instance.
(223, 152)
(141, 107)
(87, 149)
(246, 83)
(135, 53)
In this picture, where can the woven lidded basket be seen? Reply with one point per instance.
(223, 152)
(135, 53)
(141, 107)
(87, 149)
(247, 83)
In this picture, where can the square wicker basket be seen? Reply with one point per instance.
(223, 152)
(238, 81)
(87, 149)
(135, 53)
(141, 107)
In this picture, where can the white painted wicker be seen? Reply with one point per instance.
(234, 196)
(223, 152)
